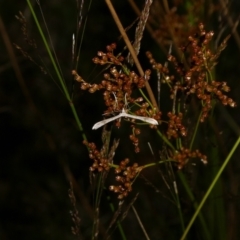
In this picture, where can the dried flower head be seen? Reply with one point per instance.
(125, 176)
(184, 154)
(100, 163)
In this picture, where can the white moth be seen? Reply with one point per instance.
(124, 114)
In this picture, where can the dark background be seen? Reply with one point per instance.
(41, 148)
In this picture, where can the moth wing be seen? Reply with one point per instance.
(105, 121)
(144, 119)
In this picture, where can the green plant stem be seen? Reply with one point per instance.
(163, 137)
(144, 96)
(118, 223)
(195, 131)
(217, 206)
(195, 205)
(66, 93)
(156, 163)
(210, 188)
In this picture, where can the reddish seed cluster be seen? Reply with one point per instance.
(125, 177)
(208, 92)
(175, 24)
(194, 76)
(175, 126)
(146, 112)
(196, 79)
(165, 77)
(182, 156)
(155, 65)
(108, 57)
(134, 139)
(118, 85)
(125, 174)
(121, 85)
(84, 85)
(119, 82)
(99, 162)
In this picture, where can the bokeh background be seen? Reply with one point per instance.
(41, 149)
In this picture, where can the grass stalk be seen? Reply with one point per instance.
(131, 50)
(210, 188)
(61, 80)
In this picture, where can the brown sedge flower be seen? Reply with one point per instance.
(184, 154)
(99, 162)
(134, 139)
(195, 79)
(118, 84)
(175, 126)
(125, 176)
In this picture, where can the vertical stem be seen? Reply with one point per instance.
(62, 83)
(131, 50)
(210, 188)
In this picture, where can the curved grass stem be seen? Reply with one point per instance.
(210, 188)
(61, 80)
(163, 137)
(195, 131)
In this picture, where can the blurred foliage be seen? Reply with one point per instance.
(41, 147)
